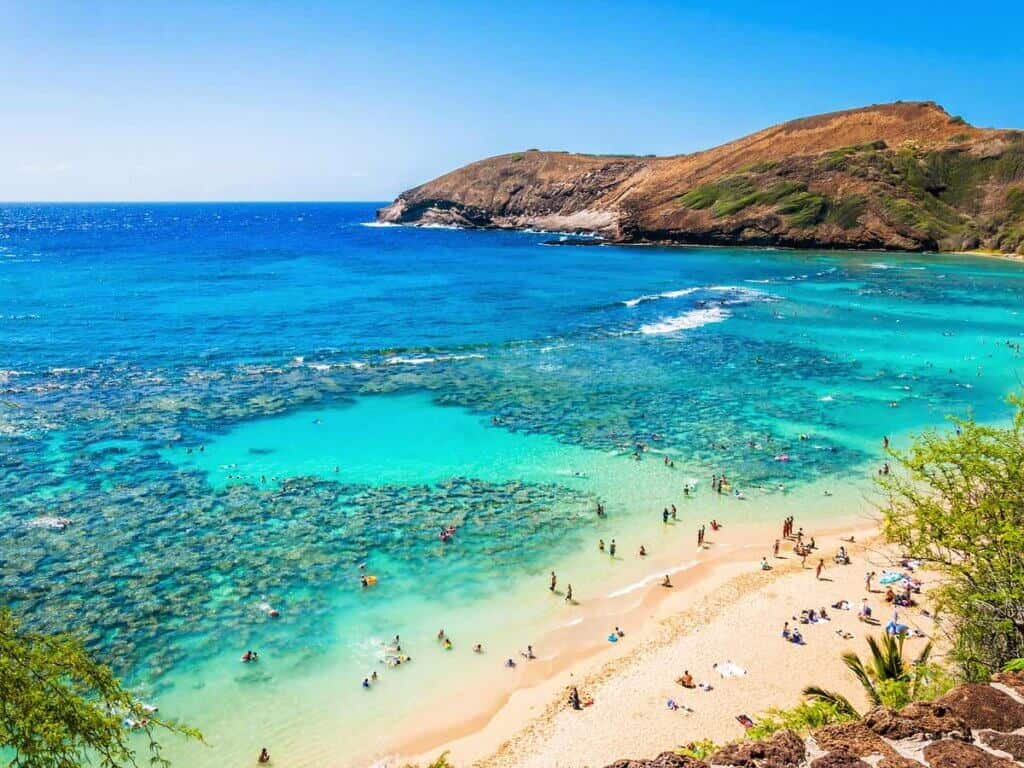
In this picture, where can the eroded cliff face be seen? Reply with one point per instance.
(904, 176)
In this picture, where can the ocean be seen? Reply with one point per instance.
(241, 408)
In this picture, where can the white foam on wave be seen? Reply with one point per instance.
(426, 360)
(654, 577)
(741, 295)
(378, 224)
(663, 295)
(695, 318)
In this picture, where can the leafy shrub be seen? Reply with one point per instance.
(803, 718)
(699, 750)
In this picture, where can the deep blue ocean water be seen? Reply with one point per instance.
(238, 405)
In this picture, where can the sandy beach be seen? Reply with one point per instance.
(725, 610)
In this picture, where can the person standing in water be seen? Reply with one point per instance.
(611, 548)
(554, 581)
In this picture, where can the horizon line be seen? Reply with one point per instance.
(188, 202)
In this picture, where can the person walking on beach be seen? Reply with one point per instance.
(554, 581)
(775, 549)
(819, 569)
(574, 698)
(867, 580)
(568, 594)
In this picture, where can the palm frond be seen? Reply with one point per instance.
(840, 702)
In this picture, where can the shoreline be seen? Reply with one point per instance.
(600, 240)
(488, 730)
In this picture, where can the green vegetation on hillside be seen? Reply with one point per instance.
(943, 196)
(789, 198)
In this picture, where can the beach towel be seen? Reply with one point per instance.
(728, 669)
(890, 578)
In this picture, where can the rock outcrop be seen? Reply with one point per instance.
(973, 726)
(902, 176)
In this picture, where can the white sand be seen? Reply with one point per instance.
(735, 613)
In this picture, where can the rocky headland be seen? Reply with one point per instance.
(902, 176)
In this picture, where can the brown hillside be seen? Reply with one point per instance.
(903, 176)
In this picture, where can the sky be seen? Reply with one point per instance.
(159, 101)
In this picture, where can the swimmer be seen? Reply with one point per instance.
(264, 756)
(600, 545)
(366, 682)
(440, 635)
(447, 644)
(478, 648)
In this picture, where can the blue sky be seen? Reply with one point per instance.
(358, 101)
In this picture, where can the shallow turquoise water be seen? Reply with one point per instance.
(238, 405)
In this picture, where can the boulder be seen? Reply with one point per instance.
(839, 759)
(982, 706)
(783, 750)
(854, 738)
(1010, 743)
(922, 720)
(957, 754)
(1012, 680)
(898, 761)
(664, 760)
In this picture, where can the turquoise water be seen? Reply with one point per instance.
(239, 405)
